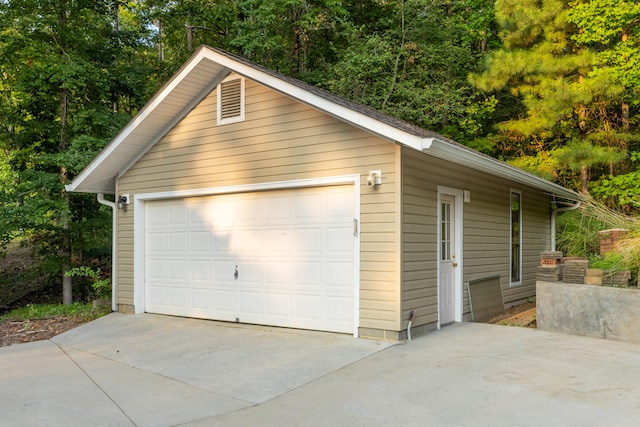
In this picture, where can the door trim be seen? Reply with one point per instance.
(139, 200)
(458, 196)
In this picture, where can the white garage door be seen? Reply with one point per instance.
(282, 258)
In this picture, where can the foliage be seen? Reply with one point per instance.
(620, 191)
(551, 86)
(553, 62)
(414, 66)
(80, 311)
(101, 286)
(577, 235)
(611, 28)
(73, 74)
(542, 164)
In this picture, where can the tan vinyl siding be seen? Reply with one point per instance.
(419, 238)
(486, 232)
(279, 140)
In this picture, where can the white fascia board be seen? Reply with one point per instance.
(194, 102)
(492, 166)
(135, 122)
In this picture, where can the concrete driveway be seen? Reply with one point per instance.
(146, 370)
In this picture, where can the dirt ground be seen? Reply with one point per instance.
(12, 332)
(523, 315)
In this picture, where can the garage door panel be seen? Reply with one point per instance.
(157, 296)
(156, 243)
(250, 302)
(178, 270)
(278, 304)
(224, 271)
(309, 207)
(178, 214)
(277, 210)
(293, 251)
(308, 274)
(156, 269)
(247, 241)
(200, 241)
(309, 240)
(156, 215)
(309, 307)
(247, 210)
(339, 205)
(339, 275)
(277, 274)
(179, 297)
(222, 243)
(339, 240)
(201, 298)
(201, 270)
(340, 309)
(250, 273)
(225, 301)
(276, 241)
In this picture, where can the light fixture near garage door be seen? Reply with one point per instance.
(374, 178)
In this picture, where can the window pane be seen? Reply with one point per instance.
(516, 216)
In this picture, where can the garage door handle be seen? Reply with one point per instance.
(235, 273)
(355, 227)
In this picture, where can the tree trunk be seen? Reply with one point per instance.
(65, 248)
(584, 178)
(65, 253)
(160, 46)
(625, 117)
(189, 37)
(116, 28)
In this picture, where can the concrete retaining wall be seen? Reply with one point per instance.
(593, 311)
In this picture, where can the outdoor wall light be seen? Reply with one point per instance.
(122, 201)
(374, 178)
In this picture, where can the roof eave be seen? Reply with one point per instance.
(475, 160)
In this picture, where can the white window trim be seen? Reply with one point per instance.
(518, 282)
(234, 119)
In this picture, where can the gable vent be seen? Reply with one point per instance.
(231, 101)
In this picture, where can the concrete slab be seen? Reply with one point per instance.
(244, 362)
(42, 386)
(150, 399)
(469, 375)
(125, 370)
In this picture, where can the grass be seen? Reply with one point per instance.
(80, 311)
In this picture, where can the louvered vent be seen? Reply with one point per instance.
(231, 99)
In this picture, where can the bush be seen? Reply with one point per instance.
(101, 286)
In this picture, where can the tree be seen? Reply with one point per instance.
(565, 100)
(63, 103)
(610, 28)
(581, 155)
(413, 63)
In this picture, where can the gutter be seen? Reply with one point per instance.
(554, 213)
(114, 264)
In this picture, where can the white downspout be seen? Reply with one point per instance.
(554, 213)
(114, 264)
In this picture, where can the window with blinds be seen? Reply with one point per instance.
(231, 101)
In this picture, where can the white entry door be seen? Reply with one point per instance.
(282, 258)
(447, 280)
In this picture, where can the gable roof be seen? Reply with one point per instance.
(209, 66)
